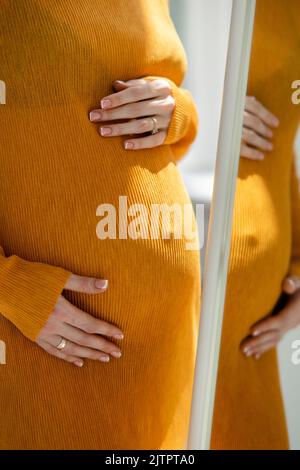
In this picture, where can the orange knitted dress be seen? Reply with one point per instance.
(266, 242)
(58, 60)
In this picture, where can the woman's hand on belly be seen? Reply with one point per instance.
(265, 334)
(71, 334)
(257, 130)
(153, 114)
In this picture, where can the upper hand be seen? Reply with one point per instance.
(266, 333)
(83, 333)
(127, 104)
(257, 130)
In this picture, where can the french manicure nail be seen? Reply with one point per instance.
(116, 354)
(119, 336)
(256, 333)
(105, 131)
(95, 116)
(106, 103)
(104, 358)
(129, 145)
(101, 283)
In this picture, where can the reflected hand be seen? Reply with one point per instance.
(135, 101)
(266, 333)
(257, 130)
(80, 334)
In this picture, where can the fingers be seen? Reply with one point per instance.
(134, 126)
(87, 340)
(257, 131)
(87, 285)
(135, 100)
(68, 313)
(136, 90)
(257, 345)
(258, 351)
(291, 284)
(256, 124)
(163, 106)
(81, 330)
(273, 322)
(255, 140)
(251, 153)
(75, 350)
(255, 107)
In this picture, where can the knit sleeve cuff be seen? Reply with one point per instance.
(29, 292)
(184, 121)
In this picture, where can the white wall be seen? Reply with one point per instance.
(203, 26)
(206, 46)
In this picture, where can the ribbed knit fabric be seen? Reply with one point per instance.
(58, 60)
(266, 242)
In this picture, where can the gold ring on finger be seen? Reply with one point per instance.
(155, 125)
(62, 344)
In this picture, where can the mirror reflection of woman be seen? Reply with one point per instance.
(265, 250)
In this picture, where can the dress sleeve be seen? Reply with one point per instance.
(184, 123)
(29, 292)
(295, 258)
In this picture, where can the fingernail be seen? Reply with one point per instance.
(119, 336)
(101, 283)
(257, 356)
(119, 81)
(291, 284)
(276, 122)
(95, 116)
(105, 130)
(78, 363)
(256, 333)
(247, 351)
(116, 354)
(104, 358)
(105, 103)
(129, 145)
(270, 146)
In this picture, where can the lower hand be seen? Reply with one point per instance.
(127, 104)
(265, 334)
(257, 130)
(80, 334)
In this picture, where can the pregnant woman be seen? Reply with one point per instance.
(100, 332)
(265, 251)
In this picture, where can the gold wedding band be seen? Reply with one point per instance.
(62, 344)
(155, 125)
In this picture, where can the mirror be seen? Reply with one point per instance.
(255, 406)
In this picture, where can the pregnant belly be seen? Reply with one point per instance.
(153, 279)
(260, 247)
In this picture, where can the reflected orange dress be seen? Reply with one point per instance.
(249, 411)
